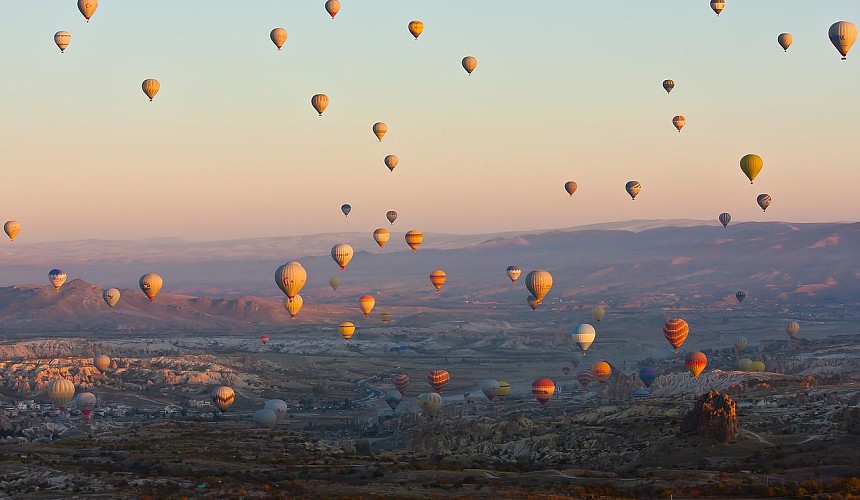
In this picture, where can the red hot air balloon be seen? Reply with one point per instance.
(543, 389)
(676, 330)
(438, 380)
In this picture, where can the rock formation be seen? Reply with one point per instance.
(713, 416)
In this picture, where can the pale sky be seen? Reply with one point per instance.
(231, 147)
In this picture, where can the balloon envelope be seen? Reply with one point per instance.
(469, 64)
(679, 122)
(379, 130)
(319, 102)
(438, 379)
(342, 254)
(150, 87)
(842, 35)
(346, 329)
(60, 392)
(718, 6)
(676, 330)
(101, 362)
(647, 375)
(334, 283)
(543, 389)
(668, 85)
(366, 303)
(725, 218)
(111, 296)
(601, 371)
(62, 39)
(695, 362)
(784, 40)
(633, 188)
(490, 388)
(416, 28)
(150, 284)
(332, 7)
(290, 278)
(57, 277)
(583, 336)
(279, 406)
(393, 398)
(513, 273)
(278, 36)
(346, 209)
(764, 200)
(222, 397)
(437, 278)
(391, 215)
(414, 238)
(88, 8)
(570, 187)
(751, 165)
(539, 283)
(265, 418)
(294, 305)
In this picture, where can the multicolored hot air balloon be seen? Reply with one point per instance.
(601, 371)
(278, 36)
(633, 188)
(504, 389)
(346, 208)
(264, 339)
(842, 35)
(88, 8)
(490, 388)
(696, 362)
(676, 330)
(111, 296)
(583, 336)
(539, 283)
(438, 380)
(401, 382)
(725, 218)
(294, 306)
(430, 402)
(532, 302)
(469, 64)
(150, 87)
(391, 161)
(393, 398)
(366, 303)
(150, 284)
(62, 39)
(414, 238)
(60, 392)
(647, 375)
(381, 236)
(291, 277)
(679, 121)
(342, 254)
(346, 329)
(391, 215)
(332, 7)
(223, 397)
(751, 165)
(570, 187)
(543, 389)
(740, 295)
(437, 278)
(513, 273)
(740, 343)
(416, 28)
(57, 277)
(718, 6)
(792, 329)
(668, 85)
(784, 40)
(598, 313)
(101, 362)
(319, 102)
(764, 200)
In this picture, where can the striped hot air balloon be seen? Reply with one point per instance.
(379, 130)
(585, 377)
(740, 295)
(294, 306)
(601, 371)
(60, 392)
(223, 397)
(342, 254)
(725, 218)
(842, 35)
(504, 389)
(741, 343)
(696, 362)
(430, 402)
(319, 102)
(386, 317)
(668, 85)
(401, 382)
(676, 330)
(583, 336)
(414, 238)
(437, 278)
(543, 389)
(647, 375)
(539, 283)
(438, 380)
(764, 200)
(381, 236)
(290, 278)
(346, 329)
(792, 329)
(679, 121)
(366, 303)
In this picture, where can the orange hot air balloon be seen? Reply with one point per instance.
(416, 28)
(543, 389)
(570, 187)
(679, 122)
(332, 7)
(319, 102)
(381, 236)
(437, 277)
(293, 305)
(438, 380)
(401, 383)
(601, 371)
(533, 302)
(676, 330)
(414, 239)
(696, 362)
(391, 161)
(366, 303)
(342, 254)
(346, 329)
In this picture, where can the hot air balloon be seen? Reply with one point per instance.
(386, 317)
(843, 35)
(696, 362)
(437, 278)
(393, 398)
(278, 36)
(111, 296)
(57, 277)
(366, 303)
(647, 375)
(784, 40)
(725, 218)
(668, 85)
(601, 371)
(539, 283)
(751, 165)
(290, 278)
(792, 329)
(532, 302)
(62, 39)
(60, 392)
(391, 162)
(150, 87)
(347, 329)
(279, 406)
(513, 273)
(319, 102)
(401, 382)
(764, 200)
(543, 389)
(294, 305)
(566, 370)
(346, 209)
(101, 362)
(740, 295)
(676, 330)
(222, 397)
(757, 366)
(332, 7)
(416, 28)
(391, 215)
(265, 339)
(438, 380)
(88, 8)
(490, 388)
(633, 188)
(414, 238)
(12, 228)
(341, 254)
(740, 343)
(583, 336)
(718, 6)
(744, 364)
(381, 236)
(570, 187)
(598, 313)
(150, 284)
(334, 283)
(430, 402)
(504, 389)
(265, 418)
(679, 122)
(86, 402)
(379, 130)
(469, 64)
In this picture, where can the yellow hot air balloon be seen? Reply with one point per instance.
(379, 130)
(293, 306)
(598, 313)
(12, 229)
(62, 39)
(718, 6)
(601, 371)
(679, 122)
(414, 239)
(366, 303)
(319, 102)
(696, 362)
(757, 366)
(751, 165)
(60, 392)
(290, 278)
(570, 187)
(150, 87)
(111, 296)
(784, 40)
(437, 278)
(391, 161)
(342, 254)
(347, 329)
(334, 283)
(504, 389)
(416, 28)
(843, 35)
(539, 283)
(278, 36)
(381, 236)
(744, 364)
(150, 284)
(469, 64)
(88, 8)
(332, 7)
